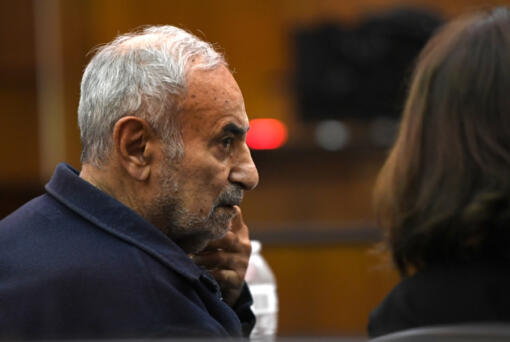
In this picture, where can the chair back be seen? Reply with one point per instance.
(490, 332)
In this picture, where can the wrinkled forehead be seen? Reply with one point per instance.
(217, 81)
(213, 95)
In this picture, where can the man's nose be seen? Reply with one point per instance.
(244, 172)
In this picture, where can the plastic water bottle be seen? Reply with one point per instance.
(262, 285)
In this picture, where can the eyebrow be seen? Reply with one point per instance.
(234, 129)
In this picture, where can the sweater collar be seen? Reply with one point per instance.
(116, 219)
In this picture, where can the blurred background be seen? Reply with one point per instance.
(331, 72)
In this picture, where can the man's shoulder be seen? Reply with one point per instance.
(43, 218)
(54, 245)
(40, 210)
(46, 232)
(46, 236)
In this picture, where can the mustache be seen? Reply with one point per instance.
(231, 196)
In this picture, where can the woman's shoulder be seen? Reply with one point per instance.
(445, 294)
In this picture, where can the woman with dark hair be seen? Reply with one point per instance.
(443, 194)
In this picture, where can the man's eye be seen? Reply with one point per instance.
(226, 143)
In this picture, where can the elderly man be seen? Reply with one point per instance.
(148, 239)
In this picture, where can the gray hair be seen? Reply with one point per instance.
(142, 74)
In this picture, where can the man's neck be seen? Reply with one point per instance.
(110, 182)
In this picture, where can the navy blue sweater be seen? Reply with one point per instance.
(76, 263)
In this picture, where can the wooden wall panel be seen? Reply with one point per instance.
(313, 186)
(254, 35)
(18, 120)
(19, 137)
(328, 290)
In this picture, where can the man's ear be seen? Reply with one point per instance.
(133, 140)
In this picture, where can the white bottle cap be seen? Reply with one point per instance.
(256, 246)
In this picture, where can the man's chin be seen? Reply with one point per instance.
(225, 210)
(192, 244)
(195, 238)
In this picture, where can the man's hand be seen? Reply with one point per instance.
(227, 259)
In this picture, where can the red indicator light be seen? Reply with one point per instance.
(266, 134)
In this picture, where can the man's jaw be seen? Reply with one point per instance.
(214, 227)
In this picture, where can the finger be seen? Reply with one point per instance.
(228, 279)
(236, 239)
(210, 249)
(226, 261)
(213, 261)
(239, 227)
(238, 233)
(229, 242)
(237, 220)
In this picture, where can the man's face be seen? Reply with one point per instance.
(197, 193)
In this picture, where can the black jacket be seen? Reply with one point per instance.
(463, 293)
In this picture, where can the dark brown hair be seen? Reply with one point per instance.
(444, 192)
